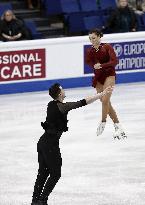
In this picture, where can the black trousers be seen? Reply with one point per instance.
(49, 172)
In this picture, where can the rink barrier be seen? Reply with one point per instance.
(66, 83)
(28, 66)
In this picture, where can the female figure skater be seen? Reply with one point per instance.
(102, 59)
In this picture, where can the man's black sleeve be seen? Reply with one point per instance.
(66, 107)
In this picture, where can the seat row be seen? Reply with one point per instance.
(70, 6)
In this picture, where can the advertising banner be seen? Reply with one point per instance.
(131, 56)
(22, 65)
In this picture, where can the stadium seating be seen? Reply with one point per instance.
(143, 17)
(52, 7)
(75, 23)
(107, 4)
(80, 15)
(69, 6)
(4, 7)
(92, 22)
(32, 27)
(88, 5)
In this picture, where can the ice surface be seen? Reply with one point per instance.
(97, 170)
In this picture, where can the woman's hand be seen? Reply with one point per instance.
(17, 36)
(107, 90)
(97, 66)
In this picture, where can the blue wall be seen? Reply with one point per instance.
(66, 83)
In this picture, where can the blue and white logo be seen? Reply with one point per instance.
(118, 49)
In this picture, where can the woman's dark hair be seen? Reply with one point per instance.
(97, 32)
(54, 90)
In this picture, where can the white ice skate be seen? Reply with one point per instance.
(101, 128)
(119, 132)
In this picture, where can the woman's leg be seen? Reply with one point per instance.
(113, 114)
(106, 104)
(108, 109)
(101, 127)
(111, 111)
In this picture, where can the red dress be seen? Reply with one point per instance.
(105, 55)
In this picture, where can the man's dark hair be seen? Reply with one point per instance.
(97, 32)
(54, 90)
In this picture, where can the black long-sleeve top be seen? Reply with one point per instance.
(56, 119)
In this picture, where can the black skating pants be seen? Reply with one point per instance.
(49, 171)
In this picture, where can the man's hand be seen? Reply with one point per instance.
(107, 90)
(98, 96)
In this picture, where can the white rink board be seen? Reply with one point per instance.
(62, 60)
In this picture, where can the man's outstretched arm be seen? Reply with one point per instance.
(95, 97)
(66, 107)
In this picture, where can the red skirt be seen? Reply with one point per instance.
(102, 74)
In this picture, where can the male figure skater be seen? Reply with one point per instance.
(49, 156)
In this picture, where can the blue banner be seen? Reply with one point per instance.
(131, 56)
